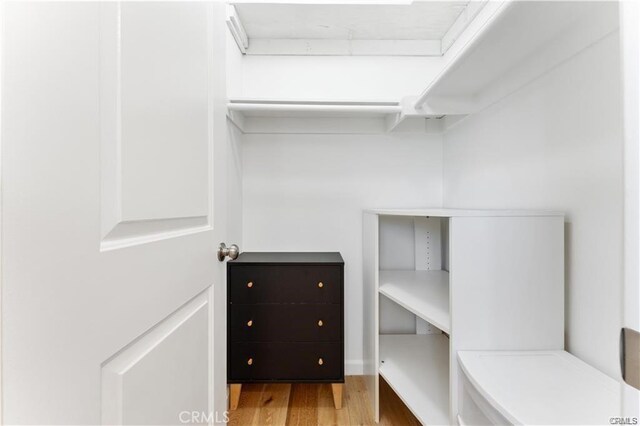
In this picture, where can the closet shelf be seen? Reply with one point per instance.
(275, 108)
(424, 293)
(323, 116)
(416, 366)
(508, 45)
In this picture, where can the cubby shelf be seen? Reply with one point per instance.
(417, 369)
(424, 293)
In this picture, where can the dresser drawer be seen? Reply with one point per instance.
(285, 284)
(285, 323)
(282, 361)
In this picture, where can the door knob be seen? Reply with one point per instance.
(223, 251)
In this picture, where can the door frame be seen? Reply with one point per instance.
(1, 196)
(630, 67)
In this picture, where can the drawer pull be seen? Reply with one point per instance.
(320, 361)
(320, 323)
(249, 323)
(250, 361)
(320, 284)
(250, 284)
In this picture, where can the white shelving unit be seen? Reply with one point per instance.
(507, 266)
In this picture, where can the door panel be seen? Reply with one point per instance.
(108, 197)
(173, 355)
(155, 121)
(165, 110)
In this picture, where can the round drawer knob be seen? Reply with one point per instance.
(250, 284)
(320, 361)
(320, 323)
(249, 323)
(250, 361)
(320, 284)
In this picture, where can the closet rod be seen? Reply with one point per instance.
(262, 107)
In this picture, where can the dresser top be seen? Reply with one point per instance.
(332, 258)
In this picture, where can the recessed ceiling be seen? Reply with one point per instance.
(417, 27)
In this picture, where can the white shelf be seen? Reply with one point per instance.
(417, 369)
(511, 43)
(327, 116)
(443, 212)
(425, 293)
(312, 108)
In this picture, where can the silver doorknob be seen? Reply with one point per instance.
(223, 251)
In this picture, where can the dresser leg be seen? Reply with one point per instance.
(336, 388)
(234, 395)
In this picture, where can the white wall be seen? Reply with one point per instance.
(307, 193)
(234, 63)
(335, 77)
(233, 74)
(557, 144)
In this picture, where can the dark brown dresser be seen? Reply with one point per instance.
(285, 320)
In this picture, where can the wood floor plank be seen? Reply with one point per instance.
(357, 401)
(249, 406)
(392, 410)
(303, 405)
(274, 404)
(327, 413)
(312, 405)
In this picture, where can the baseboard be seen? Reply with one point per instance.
(353, 367)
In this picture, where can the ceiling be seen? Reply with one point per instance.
(304, 27)
(413, 21)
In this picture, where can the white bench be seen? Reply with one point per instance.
(533, 388)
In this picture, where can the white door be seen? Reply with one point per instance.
(115, 195)
(630, 37)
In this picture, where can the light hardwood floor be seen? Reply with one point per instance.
(312, 404)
